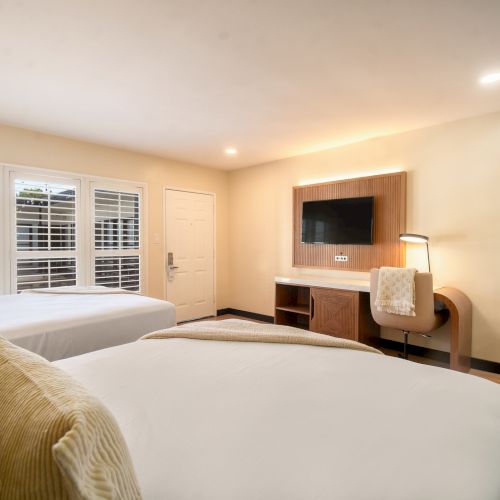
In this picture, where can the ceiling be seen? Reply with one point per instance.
(185, 79)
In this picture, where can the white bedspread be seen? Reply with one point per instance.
(213, 420)
(64, 325)
(81, 290)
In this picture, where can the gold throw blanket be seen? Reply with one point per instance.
(247, 331)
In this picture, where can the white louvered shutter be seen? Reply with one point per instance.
(45, 234)
(117, 230)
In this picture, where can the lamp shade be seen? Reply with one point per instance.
(417, 238)
(413, 238)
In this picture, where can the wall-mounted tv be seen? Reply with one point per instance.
(345, 221)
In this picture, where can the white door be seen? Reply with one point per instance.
(189, 230)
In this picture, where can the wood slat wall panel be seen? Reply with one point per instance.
(389, 191)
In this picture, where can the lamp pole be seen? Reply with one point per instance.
(428, 257)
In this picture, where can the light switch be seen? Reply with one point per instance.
(156, 238)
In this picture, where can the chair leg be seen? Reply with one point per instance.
(405, 345)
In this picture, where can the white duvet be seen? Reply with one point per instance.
(213, 420)
(62, 325)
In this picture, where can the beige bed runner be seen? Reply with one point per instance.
(247, 331)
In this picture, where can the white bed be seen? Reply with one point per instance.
(60, 325)
(219, 420)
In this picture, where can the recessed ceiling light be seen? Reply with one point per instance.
(491, 78)
(231, 151)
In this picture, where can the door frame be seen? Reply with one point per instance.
(165, 260)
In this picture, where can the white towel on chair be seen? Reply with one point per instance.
(396, 291)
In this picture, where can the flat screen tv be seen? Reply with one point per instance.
(346, 221)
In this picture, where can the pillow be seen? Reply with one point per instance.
(56, 439)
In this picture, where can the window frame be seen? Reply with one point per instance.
(16, 254)
(83, 216)
(131, 252)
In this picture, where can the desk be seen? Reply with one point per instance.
(460, 308)
(341, 307)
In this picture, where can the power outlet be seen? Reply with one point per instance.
(341, 258)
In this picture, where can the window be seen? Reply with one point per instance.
(43, 273)
(49, 242)
(45, 233)
(45, 216)
(117, 241)
(123, 272)
(116, 220)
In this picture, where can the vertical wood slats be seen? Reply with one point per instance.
(389, 191)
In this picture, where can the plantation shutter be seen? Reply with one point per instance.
(45, 241)
(117, 248)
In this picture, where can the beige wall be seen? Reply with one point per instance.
(453, 178)
(23, 147)
(453, 196)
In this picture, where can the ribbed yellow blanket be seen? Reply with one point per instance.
(57, 441)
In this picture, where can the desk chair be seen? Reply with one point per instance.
(426, 319)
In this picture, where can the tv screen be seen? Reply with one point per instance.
(347, 221)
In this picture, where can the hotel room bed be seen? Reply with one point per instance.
(217, 420)
(59, 323)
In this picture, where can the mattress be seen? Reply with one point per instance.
(65, 325)
(219, 420)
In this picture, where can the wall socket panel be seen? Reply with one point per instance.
(341, 258)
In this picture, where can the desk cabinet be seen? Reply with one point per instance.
(334, 312)
(340, 313)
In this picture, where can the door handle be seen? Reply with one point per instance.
(171, 272)
(170, 266)
(312, 307)
(170, 262)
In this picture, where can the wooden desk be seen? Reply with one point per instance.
(340, 308)
(305, 302)
(460, 308)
